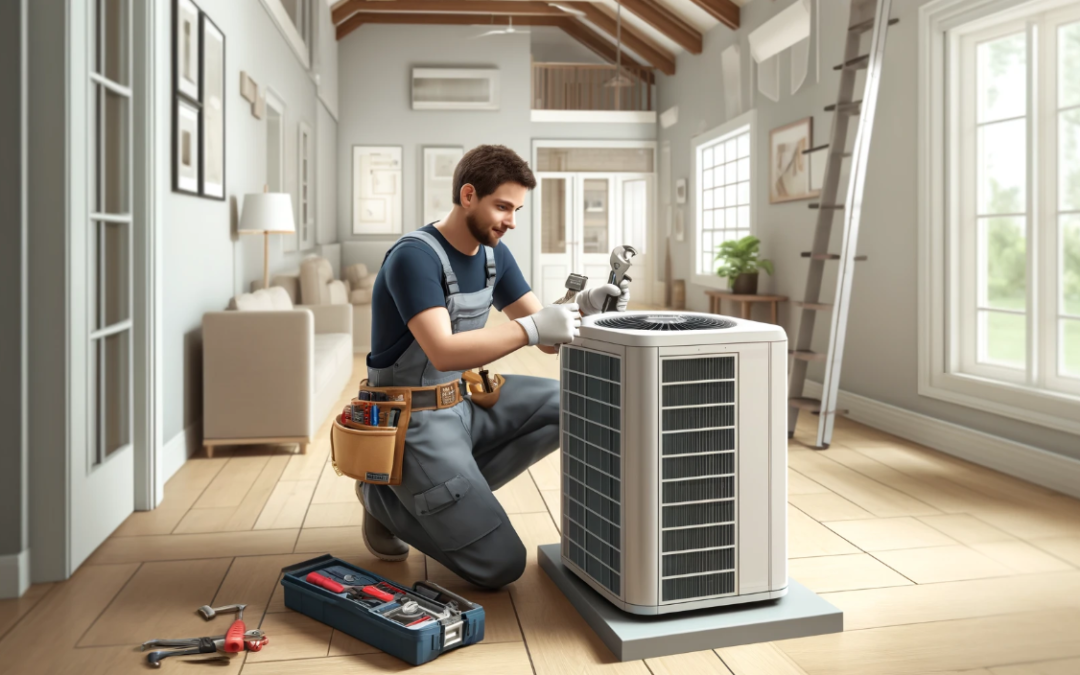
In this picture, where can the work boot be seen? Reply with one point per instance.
(377, 538)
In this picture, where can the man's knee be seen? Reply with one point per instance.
(504, 568)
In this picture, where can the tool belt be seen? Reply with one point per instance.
(373, 453)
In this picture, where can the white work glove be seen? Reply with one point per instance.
(592, 300)
(553, 325)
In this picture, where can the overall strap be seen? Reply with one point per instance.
(489, 254)
(449, 278)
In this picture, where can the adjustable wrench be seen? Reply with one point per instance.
(620, 263)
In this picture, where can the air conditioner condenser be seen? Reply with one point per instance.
(674, 460)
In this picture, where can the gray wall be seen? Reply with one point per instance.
(376, 64)
(13, 469)
(881, 354)
(206, 262)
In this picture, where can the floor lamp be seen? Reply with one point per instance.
(267, 213)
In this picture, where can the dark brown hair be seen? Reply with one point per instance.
(486, 167)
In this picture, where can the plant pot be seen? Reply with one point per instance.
(745, 284)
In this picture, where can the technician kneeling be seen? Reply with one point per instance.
(429, 308)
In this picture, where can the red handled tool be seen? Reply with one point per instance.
(234, 637)
(335, 587)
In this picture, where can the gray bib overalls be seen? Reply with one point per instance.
(456, 456)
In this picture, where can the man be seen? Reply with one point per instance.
(429, 310)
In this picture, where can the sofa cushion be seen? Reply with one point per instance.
(333, 351)
(315, 274)
(360, 296)
(262, 300)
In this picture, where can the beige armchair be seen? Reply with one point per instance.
(318, 285)
(361, 282)
(272, 371)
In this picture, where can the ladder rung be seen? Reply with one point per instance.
(867, 25)
(852, 108)
(827, 207)
(857, 63)
(828, 256)
(806, 355)
(816, 306)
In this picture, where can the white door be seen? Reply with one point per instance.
(102, 472)
(636, 220)
(582, 217)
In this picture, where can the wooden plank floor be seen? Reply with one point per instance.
(939, 565)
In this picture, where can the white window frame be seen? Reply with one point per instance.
(943, 373)
(694, 200)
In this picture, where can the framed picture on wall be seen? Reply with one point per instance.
(376, 189)
(186, 147)
(789, 168)
(187, 49)
(438, 181)
(213, 110)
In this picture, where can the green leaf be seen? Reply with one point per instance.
(766, 265)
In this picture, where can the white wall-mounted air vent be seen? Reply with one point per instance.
(455, 89)
(674, 460)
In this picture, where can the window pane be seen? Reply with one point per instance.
(1068, 57)
(553, 215)
(1002, 338)
(744, 169)
(744, 145)
(1069, 159)
(743, 190)
(707, 157)
(1002, 78)
(114, 399)
(1069, 362)
(595, 230)
(731, 149)
(111, 262)
(1002, 168)
(1070, 265)
(1002, 263)
(718, 154)
(707, 181)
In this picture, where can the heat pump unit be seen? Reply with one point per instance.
(674, 460)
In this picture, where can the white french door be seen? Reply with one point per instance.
(581, 217)
(101, 405)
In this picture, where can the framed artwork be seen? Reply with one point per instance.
(186, 147)
(376, 189)
(680, 191)
(438, 181)
(789, 168)
(186, 48)
(213, 110)
(305, 220)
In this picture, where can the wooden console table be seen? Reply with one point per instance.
(715, 298)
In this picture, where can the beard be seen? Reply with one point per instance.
(482, 233)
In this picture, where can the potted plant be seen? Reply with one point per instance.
(739, 262)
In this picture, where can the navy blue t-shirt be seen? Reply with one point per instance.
(410, 281)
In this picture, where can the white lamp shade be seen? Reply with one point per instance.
(267, 212)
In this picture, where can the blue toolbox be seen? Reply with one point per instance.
(414, 624)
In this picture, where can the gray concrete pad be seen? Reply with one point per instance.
(800, 613)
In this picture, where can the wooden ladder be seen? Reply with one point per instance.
(867, 16)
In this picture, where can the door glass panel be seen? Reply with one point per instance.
(111, 256)
(112, 145)
(553, 215)
(113, 31)
(627, 160)
(596, 221)
(113, 393)
(635, 214)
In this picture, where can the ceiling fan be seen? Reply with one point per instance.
(510, 30)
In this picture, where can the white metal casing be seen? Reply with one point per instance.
(759, 476)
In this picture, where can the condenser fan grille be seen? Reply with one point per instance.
(664, 322)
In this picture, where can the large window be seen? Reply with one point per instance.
(1005, 219)
(722, 192)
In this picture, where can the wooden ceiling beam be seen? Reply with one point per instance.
(505, 7)
(724, 11)
(631, 38)
(663, 20)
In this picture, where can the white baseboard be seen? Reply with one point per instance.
(179, 448)
(1026, 462)
(14, 574)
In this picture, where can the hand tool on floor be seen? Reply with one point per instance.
(205, 645)
(621, 257)
(254, 640)
(234, 637)
(575, 283)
